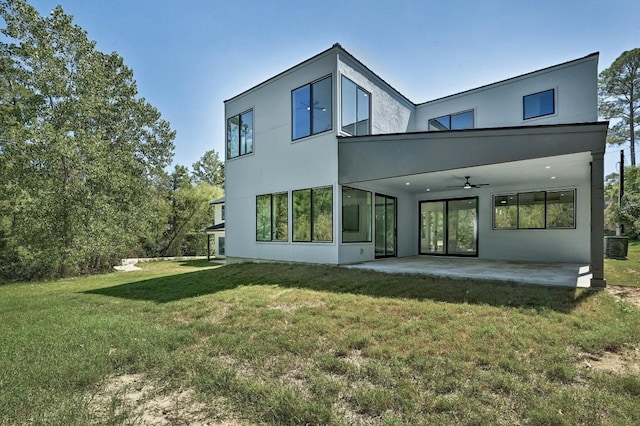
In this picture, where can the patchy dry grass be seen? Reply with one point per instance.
(191, 343)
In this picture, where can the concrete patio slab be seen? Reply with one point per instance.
(552, 274)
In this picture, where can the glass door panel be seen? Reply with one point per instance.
(462, 227)
(390, 227)
(449, 227)
(432, 227)
(385, 236)
(380, 226)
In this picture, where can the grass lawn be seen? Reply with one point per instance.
(192, 343)
(624, 272)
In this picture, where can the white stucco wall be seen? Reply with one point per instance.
(501, 104)
(390, 112)
(279, 164)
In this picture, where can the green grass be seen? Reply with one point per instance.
(299, 344)
(624, 272)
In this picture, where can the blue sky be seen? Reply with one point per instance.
(189, 56)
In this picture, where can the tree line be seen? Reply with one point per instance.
(83, 157)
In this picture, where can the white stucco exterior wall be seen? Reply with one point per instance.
(501, 104)
(279, 164)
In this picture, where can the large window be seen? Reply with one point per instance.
(457, 121)
(272, 217)
(356, 104)
(356, 215)
(240, 134)
(535, 210)
(538, 104)
(313, 214)
(311, 108)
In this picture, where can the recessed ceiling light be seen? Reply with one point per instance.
(547, 167)
(408, 183)
(553, 177)
(428, 189)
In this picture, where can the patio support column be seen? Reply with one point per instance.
(597, 219)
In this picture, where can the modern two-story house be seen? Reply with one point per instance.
(327, 163)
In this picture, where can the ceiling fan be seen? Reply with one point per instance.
(469, 185)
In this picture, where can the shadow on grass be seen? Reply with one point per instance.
(196, 263)
(348, 281)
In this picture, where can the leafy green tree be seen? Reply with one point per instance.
(619, 90)
(209, 169)
(80, 149)
(190, 214)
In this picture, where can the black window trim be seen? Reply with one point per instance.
(273, 239)
(358, 87)
(310, 84)
(293, 226)
(473, 118)
(370, 215)
(553, 92)
(239, 115)
(546, 226)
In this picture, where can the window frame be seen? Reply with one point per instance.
(553, 104)
(369, 231)
(273, 234)
(311, 215)
(355, 124)
(311, 119)
(240, 154)
(450, 118)
(546, 226)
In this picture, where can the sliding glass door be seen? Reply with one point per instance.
(449, 227)
(385, 241)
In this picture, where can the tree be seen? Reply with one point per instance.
(190, 214)
(627, 211)
(79, 149)
(619, 90)
(209, 169)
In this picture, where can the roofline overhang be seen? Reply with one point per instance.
(365, 158)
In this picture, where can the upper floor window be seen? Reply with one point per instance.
(356, 104)
(539, 104)
(222, 212)
(311, 109)
(240, 134)
(457, 121)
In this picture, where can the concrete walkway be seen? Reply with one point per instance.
(553, 274)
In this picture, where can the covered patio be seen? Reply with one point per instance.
(549, 274)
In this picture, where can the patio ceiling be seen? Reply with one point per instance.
(534, 155)
(539, 172)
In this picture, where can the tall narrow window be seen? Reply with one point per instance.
(311, 107)
(356, 106)
(272, 217)
(240, 134)
(539, 104)
(313, 215)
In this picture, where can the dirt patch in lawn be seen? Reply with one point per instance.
(137, 400)
(628, 294)
(624, 362)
